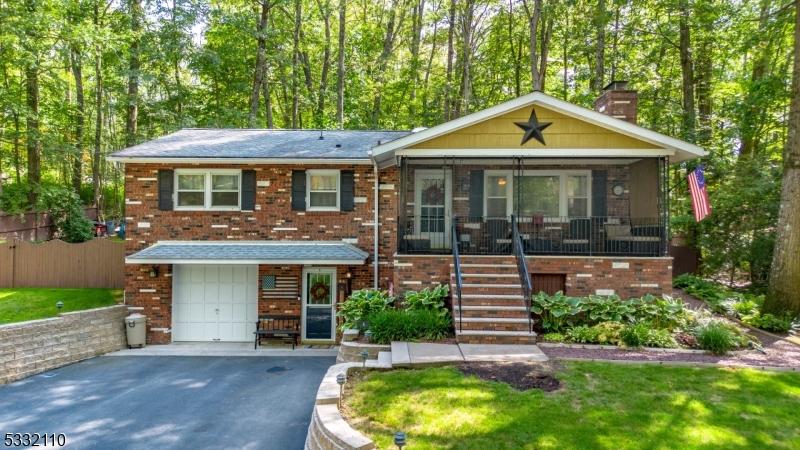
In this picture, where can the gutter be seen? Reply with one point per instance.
(375, 268)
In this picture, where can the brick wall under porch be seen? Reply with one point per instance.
(152, 296)
(626, 277)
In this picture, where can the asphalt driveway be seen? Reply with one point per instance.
(169, 402)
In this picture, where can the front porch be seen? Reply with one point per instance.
(568, 207)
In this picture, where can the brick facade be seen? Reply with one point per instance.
(585, 275)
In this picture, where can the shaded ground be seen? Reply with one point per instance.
(169, 402)
(519, 375)
(778, 351)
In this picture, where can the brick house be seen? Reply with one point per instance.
(532, 194)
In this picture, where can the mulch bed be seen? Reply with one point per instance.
(519, 375)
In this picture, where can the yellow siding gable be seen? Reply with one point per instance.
(565, 132)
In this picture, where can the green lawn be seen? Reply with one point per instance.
(612, 406)
(21, 304)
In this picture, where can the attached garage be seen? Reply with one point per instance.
(214, 302)
(215, 286)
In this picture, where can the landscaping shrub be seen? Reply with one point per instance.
(360, 304)
(642, 335)
(428, 299)
(768, 322)
(553, 337)
(582, 334)
(408, 325)
(716, 337)
(555, 311)
(608, 332)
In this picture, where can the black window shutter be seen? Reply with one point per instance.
(476, 194)
(599, 193)
(248, 190)
(298, 190)
(347, 192)
(166, 181)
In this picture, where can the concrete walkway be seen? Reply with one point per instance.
(227, 349)
(408, 354)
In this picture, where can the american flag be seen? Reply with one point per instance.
(697, 187)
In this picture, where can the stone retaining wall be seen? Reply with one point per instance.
(351, 351)
(32, 347)
(328, 430)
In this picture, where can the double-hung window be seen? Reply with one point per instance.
(322, 190)
(549, 193)
(208, 189)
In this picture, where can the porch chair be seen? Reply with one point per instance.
(578, 237)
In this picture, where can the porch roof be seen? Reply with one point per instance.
(250, 252)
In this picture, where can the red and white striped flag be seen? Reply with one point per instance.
(697, 187)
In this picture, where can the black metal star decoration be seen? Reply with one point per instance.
(533, 129)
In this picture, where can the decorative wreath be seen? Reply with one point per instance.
(320, 291)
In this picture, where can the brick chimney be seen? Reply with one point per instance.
(618, 101)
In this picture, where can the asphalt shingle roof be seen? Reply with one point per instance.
(256, 251)
(251, 143)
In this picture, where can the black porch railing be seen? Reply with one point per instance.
(580, 236)
(457, 272)
(522, 268)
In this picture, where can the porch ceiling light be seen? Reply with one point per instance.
(501, 181)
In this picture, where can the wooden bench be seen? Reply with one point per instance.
(277, 326)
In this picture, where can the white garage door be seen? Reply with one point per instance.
(214, 303)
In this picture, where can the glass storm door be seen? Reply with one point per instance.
(319, 302)
(432, 206)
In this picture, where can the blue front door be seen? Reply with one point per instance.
(319, 295)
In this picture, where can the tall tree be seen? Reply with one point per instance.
(600, 21)
(33, 138)
(76, 63)
(136, 15)
(687, 71)
(783, 294)
(340, 64)
(260, 71)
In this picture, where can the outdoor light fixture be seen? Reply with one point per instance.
(341, 379)
(59, 305)
(400, 439)
(368, 335)
(153, 271)
(348, 275)
(364, 356)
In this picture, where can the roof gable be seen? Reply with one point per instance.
(576, 131)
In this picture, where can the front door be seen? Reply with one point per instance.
(432, 206)
(319, 303)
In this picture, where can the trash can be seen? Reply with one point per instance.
(136, 329)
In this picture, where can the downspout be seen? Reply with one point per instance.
(375, 227)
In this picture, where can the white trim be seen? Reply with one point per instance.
(684, 149)
(538, 152)
(208, 174)
(251, 161)
(324, 172)
(304, 293)
(223, 262)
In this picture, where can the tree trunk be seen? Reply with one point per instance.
(34, 145)
(135, 11)
(392, 25)
(77, 167)
(448, 86)
(325, 12)
(600, 46)
(295, 65)
(750, 121)
(783, 295)
(416, 38)
(17, 159)
(259, 71)
(340, 65)
(545, 46)
(534, 16)
(687, 73)
(98, 124)
(267, 102)
(466, 58)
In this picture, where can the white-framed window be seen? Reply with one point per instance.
(549, 193)
(208, 189)
(497, 199)
(322, 190)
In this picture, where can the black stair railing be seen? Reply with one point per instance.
(456, 266)
(522, 268)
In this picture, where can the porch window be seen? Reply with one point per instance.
(323, 190)
(497, 195)
(577, 195)
(207, 189)
(539, 195)
(545, 193)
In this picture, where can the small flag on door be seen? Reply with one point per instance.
(697, 187)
